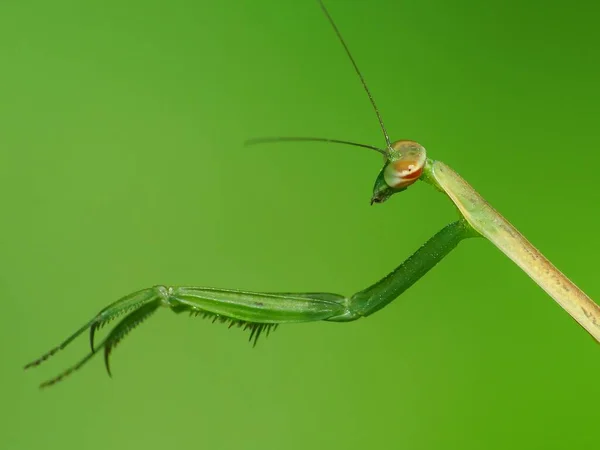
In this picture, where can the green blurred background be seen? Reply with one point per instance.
(121, 166)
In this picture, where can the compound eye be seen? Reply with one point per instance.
(407, 169)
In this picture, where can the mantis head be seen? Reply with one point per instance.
(404, 164)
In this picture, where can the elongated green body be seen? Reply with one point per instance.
(490, 224)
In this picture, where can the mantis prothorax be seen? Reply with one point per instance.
(260, 313)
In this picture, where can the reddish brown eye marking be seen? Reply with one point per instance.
(408, 165)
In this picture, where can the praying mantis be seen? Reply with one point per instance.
(260, 313)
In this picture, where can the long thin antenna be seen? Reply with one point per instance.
(312, 139)
(339, 35)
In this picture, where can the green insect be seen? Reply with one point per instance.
(260, 313)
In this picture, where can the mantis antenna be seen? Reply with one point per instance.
(388, 143)
(358, 72)
(310, 139)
